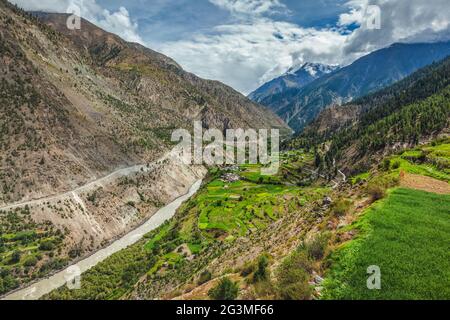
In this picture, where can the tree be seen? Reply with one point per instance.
(293, 277)
(225, 290)
(15, 257)
(128, 276)
(318, 160)
(261, 273)
(205, 276)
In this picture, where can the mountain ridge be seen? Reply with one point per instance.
(298, 107)
(412, 110)
(295, 77)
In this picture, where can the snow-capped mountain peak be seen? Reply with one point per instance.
(297, 77)
(312, 69)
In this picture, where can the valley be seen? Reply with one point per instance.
(81, 214)
(42, 287)
(93, 184)
(187, 257)
(85, 137)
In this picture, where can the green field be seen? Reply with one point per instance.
(229, 210)
(408, 236)
(28, 250)
(236, 208)
(431, 160)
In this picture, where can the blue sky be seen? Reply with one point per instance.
(176, 19)
(245, 43)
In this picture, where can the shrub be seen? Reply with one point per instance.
(422, 158)
(30, 261)
(293, 277)
(261, 272)
(341, 207)
(317, 246)
(396, 165)
(376, 191)
(204, 277)
(92, 197)
(224, 290)
(386, 164)
(264, 290)
(46, 245)
(247, 269)
(15, 257)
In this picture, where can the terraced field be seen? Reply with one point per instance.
(407, 234)
(432, 160)
(237, 208)
(27, 249)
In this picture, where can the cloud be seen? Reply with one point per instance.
(355, 15)
(253, 48)
(250, 7)
(118, 22)
(245, 43)
(401, 21)
(246, 55)
(256, 47)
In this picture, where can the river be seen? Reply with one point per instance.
(44, 286)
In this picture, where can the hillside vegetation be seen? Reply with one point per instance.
(406, 235)
(377, 70)
(275, 240)
(402, 115)
(208, 233)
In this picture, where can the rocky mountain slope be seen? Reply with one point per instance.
(85, 121)
(295, 78)
(77, 104)
(298, 107)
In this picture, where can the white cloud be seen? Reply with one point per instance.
(356, 13)
(255, 48)
(256, 45)
(249, 7)
(407, 21)
(246, 55)
(118, 22)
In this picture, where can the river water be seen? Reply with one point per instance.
(44, 286)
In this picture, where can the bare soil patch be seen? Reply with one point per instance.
(424, 183)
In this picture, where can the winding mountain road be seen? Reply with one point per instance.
(74, 273)
(90, 186)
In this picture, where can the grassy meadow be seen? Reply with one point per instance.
(407, 236)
